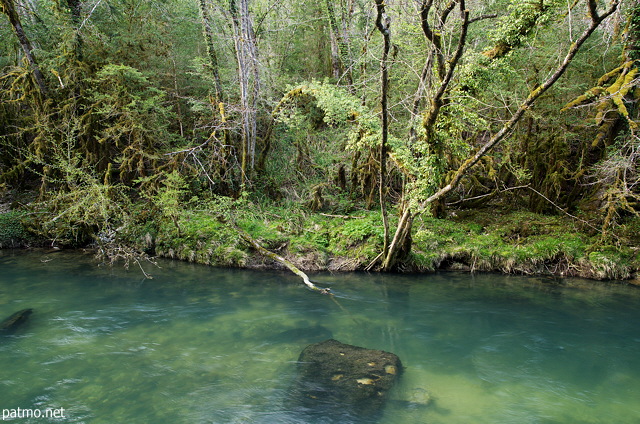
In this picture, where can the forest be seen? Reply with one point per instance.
(399, 135)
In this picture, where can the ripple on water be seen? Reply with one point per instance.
(204, 345)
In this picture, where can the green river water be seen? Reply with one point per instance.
(205, 345)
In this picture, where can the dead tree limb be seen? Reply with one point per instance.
(269, 254)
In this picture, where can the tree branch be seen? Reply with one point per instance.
(509, 126)
(263, 251)
(483, 17)
(437, 101)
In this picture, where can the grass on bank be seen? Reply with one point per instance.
(510, 242)
(479, 240)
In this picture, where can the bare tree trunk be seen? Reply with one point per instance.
(9, 9)
(383, 23)
(211, 51)
(249, 81)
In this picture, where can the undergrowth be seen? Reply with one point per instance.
(205, 231)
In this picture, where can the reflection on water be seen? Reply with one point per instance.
(205, 345)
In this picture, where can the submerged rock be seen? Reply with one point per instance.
(344, 382)
(14, 321)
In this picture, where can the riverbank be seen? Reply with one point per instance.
(512, 242)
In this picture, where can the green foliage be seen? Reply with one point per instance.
(131, 117)
(13, 232)
(524, 17)
(358, 230)
(92, 211)
(338, 108)
(130, 133)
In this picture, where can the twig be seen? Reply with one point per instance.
(341, 216)
(485, 195)
(563, 211)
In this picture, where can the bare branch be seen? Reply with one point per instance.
(533, 96)
(483, 17)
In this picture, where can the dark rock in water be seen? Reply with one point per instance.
(14, 321)
(344, 383)
(302, 334)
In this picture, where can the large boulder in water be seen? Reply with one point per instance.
(340, 380)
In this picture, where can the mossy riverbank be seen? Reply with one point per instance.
(481, 240)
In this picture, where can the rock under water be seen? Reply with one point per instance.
(15, 320)
(341, 382)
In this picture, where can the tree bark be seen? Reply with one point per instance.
(9, 9)
(383, 23)
(265, 252)
(249, 81)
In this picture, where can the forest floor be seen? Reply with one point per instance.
(478, 240)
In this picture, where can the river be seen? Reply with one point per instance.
(205, 345)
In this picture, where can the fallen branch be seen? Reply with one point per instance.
(269, 254)
(493, 193)
(564, 211)
(342, 216)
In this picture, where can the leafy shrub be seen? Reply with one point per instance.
(12, 230)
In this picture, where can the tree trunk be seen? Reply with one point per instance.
(9, 9)
(400, 246)
(340, 56)
(211, 51)
(249, 81)
(403, 231)
(269, 254)
(383, 23)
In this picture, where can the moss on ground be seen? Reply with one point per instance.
(480, 240)
(515, 242)
(520, 242)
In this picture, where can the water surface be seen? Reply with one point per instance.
(204, 345)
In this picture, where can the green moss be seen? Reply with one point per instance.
(610, 263)
(520, 242)
(13, 232)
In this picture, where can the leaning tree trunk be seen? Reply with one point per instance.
(403, 230)
(9, 9)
